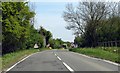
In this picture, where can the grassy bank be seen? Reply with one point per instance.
(99, 53)
(11, 58)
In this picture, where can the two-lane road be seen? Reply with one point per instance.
(62, 60)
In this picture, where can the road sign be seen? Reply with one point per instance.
(35, 46)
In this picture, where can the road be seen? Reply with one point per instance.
(62, 60)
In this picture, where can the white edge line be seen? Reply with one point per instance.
(68, 67)
(98, 59)
(19, 62)
(59, 58)
(111, 62)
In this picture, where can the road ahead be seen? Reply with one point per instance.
(62, 60)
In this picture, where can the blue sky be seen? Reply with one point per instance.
(49, 15)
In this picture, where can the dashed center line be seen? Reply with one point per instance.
(55, 55)
(67, 66)
(59, 58)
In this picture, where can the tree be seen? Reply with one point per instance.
(46, 34)
(56, 43)
(15, 25)
(85, 19)
(78, 41)
(68, 44)
(110, 30)
(34, 38)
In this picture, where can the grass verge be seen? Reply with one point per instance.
(11, 58)
(98, 53)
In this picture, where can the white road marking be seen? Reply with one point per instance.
(55, 55)
(59, 58)
(68, 67)
(111, 62)
(20, 62)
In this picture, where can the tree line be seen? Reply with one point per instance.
(18, 32)
(93, 22)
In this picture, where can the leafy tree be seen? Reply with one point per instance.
(56, 43)
(109, 31)
(15, 25)
(18, 30)
(78, 41)
(46, 34)
(34, 38)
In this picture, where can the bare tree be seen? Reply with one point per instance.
(85, 18)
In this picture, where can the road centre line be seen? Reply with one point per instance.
(55, 55)
(59, 58)
(67, 66)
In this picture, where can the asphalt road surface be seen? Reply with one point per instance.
(62, 60)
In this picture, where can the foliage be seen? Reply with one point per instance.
(15, 25)
(93, 22)
(68, 44)
(110, 30)
(34, 38)
(18, 31)
(78, 41)
(56, 43)
(46, 34)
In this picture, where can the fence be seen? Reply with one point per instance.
(109, 44)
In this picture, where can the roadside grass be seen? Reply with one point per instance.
(11, 58)
(98, 53)
(110, 49)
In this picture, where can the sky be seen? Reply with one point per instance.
(49, 15)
